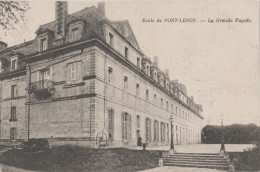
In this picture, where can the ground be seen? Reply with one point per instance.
(74, 158)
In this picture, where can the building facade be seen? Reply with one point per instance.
(84, 75)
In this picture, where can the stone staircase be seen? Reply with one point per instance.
(199, 160)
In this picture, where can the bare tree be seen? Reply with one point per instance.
(12, 13)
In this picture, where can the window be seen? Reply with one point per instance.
(75, 34)
(167, 106)
(137, 89)
(13, 64)
(111, 39)
(172, 108)
(156, 131)
(111, 124)
(179, 112)
(44, 77)
(148, 70)
(176, 110)
(125, 82)
(147, 94)
(154, 99)
(155, 76)
(162, 131)
(138, 62)
(168, 132)
(43, 43)
(126, 135)
(138, 121)
(148, 134)
(12, 134)
(13, 91)
(161, 102)
(13, 112)
(75, 70)
(126, 52)
(110, 75)
(1, 67)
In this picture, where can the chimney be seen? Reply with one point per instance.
(3, 45)
(155, 60)
(61, 13)
(101, 7)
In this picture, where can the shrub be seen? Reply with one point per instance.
(36, 145)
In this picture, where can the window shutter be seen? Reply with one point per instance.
(122, 119)
(130, 128)
(112, 122)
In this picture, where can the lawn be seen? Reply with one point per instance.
(74, 158)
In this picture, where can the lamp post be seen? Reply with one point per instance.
(172, 145)
(222, 149)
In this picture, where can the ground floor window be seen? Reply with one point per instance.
(162, 131)
(13, 134)
(111, 124)
(126, 126)
(156, 131)
(148, 133)
(168, 133)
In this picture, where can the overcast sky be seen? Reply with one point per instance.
(217, 62)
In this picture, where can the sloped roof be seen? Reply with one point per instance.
(93, 18)
(121, 27)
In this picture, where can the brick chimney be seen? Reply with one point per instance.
(155, 61)
(61, 14)
(3, 45)
(101, 7)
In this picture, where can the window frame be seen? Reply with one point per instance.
(13, 113)
(110, 124)
(125, 83)
(126, 52)
(75, 34)
(137, 89)
(13, 91)
(13, 134)
(111, 39)
(43, 44)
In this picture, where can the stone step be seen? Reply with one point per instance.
(180, 153)
(196, 158)
(195, 162)
(201, 156)
(222, 167)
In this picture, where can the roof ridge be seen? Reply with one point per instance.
(14, 47)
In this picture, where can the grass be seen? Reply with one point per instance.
(75, 158)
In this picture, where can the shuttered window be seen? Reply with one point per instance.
(111, 124)
(126, 127)
(148, 133)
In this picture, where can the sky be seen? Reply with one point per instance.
(217, 62)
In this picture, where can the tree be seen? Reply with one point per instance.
(12, 13)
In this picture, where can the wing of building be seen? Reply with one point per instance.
(84, 75)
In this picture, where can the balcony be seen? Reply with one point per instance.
(42, 89)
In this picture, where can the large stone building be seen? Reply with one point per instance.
(84, 74)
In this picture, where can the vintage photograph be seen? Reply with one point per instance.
(130, 85)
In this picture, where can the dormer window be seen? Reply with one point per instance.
(111, 39)
(43, 44)
(75, 34)
(13, 63)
